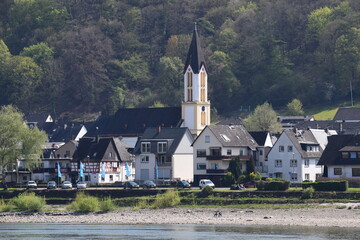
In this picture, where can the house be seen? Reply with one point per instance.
(164, 154)
(216, 146)
(264, 141)
(105, 160)
(341, 158)
(39, 120)
(66, 131)
(289, 122)
(347, 115)
(130, 123)
(295, 155)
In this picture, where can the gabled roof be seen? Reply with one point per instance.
(332, 153)
(64, 132)
(260, 137)
(134, 121)
(195, 56)
(340, 127)
(301, 139)
(231, 121)
(233, 136)
(37, 119)
(352, 113)
(95, 149)
(172, 136)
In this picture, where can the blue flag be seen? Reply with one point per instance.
(81, 170)
(156, 170)
(127, 170)
(103, 171)
(59, 172)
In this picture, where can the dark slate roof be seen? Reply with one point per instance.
(301, 139)
(37, 119)
(259, 137)
(64, 132)
(195, 56)
(172, 136)
(352, 113)
(231, 121)
(96, 149)
(233, 136)
(332, 153)
(134, 121)
(340, 127)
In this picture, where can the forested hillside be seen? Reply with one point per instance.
(86, 56)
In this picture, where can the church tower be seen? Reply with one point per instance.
(195, 109)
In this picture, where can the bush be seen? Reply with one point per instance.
(6, 207)
(84, 203)
(308, 193)
(206, 191)
(170, 198)
(28, 202)
(228, 179)
(107, 205)
(272, 185)
(327, 185)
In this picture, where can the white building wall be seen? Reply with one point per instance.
(145, 165)
(182, 167)
(81, 133)
(346, 171)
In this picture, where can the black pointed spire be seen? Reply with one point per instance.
(195, 57)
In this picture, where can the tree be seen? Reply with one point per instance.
(235, 167)
(295, 107)
(18, 141)
(263, 119)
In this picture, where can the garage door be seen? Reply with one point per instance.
(144, 174)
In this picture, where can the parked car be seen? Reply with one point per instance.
(183, 184)
(131, 185)
(31, 184)
(51, 185)
(66, 185)
(149, 184)
(206, 182)
(81, 185)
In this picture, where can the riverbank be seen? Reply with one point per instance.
(329, 216)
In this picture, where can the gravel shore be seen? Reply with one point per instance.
(329, 216)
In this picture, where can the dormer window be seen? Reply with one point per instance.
(145, 147)
(162, 147)
(352, 154)
(345, 155)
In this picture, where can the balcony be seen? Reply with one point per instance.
(224, 171)
(227, 157)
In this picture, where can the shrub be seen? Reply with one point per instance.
(6, 207)
(107, 205)
(255, 176)
(228, 179)
(206, 191)
(84, 203)
(272, 185)
(28, 202)
(170, 198)
(268, 179)
(327, 185)
(308, 193)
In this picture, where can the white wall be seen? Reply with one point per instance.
(346, 171)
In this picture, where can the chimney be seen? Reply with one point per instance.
(159, 129)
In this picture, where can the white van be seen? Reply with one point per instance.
(206, 182)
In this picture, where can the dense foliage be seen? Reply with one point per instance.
(90, 56)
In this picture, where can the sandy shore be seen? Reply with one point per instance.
(330, 216)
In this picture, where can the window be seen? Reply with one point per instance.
(290, 148)
(345, 155)
(307, 176)
(202, 94)
(189, 86)
(278, 163)
(307, 163)
(293, 177)
(111, 178)
(162, 147)
(201, 166)
(228, 151)
(214, 166)
(241, 152)
(145, 147)
(352, 154)
(202, 79)
(356, 172)
(338, 171)
(145, 159)
(215, 151)
(67, 154)
(260, 152)
(278, 175)
(207, 139)
(201, 153)
(110, 154)
(293, 163)
(281, 148)
(203, 118)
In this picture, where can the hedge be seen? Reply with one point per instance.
(273, 185)
(327, 185)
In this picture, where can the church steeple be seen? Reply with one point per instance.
(196, 106)
(195, 57)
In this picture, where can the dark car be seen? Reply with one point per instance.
(183, 184)
(131, 185)
(51, 185)
(149, 184)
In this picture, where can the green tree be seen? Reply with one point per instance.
(317, 20)
(295, 107)
(235, 167)
(263, 119)
(18, 141)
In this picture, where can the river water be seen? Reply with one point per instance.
(99, 231)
